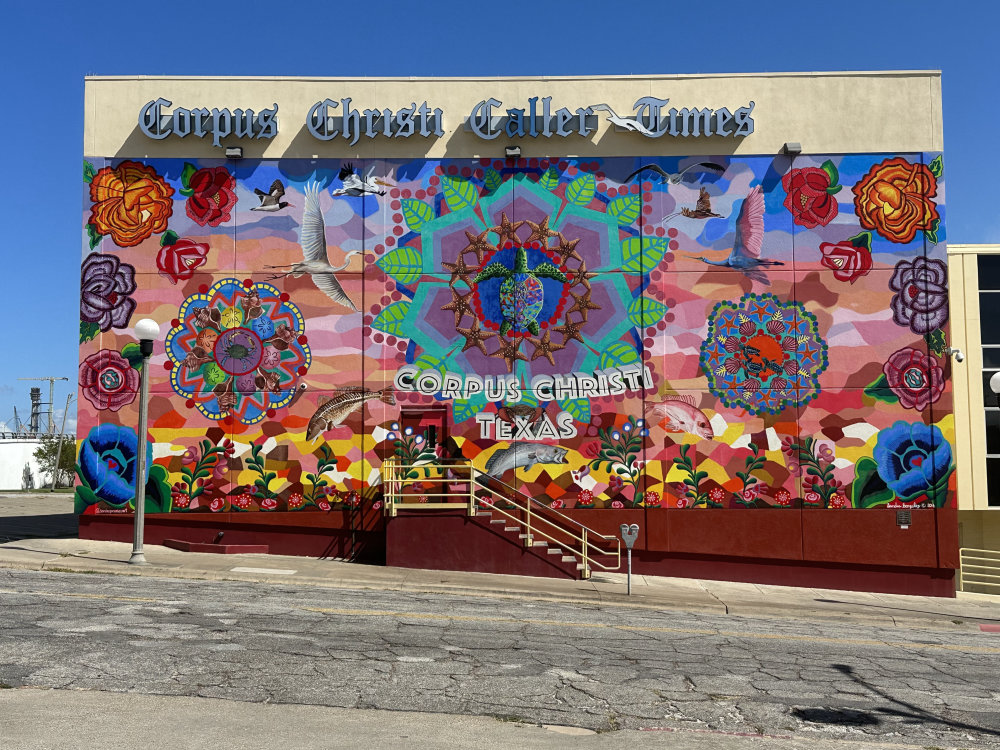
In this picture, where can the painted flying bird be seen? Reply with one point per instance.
(745, 255)
(355, 186)
(702, 209)
(675, 179)
(271, 200)
(312, 239)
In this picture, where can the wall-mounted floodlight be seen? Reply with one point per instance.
(792, 148)
(955, 352)
(234, 152)
(513, 152)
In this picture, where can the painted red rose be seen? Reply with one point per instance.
(216, 505)
(808, 198)
(682, 502)
(812, 499)
(179, 260)
(212, 196)
(323, 505)
(617, 504)
(847, 261)
(915, 377)
(108, 381)
(268, 503)
(556, 504)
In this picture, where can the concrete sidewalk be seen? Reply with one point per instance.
(37, 551)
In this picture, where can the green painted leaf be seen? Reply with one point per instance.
(169, 238)
(645, 312)
(868, 488)
(417, 213)
(93, 236)
(879, 389)
(581, 190)
(831, 170)
(133, 354)
(625, 209)
(936, 341)
(932, 234)
(550, 179)
(578, 407)
(642, 255)
(937, 166)
(429, 362)
(391, 318)
(189, 169)
(863, 239)
(402, 263)
(617, 354)
(88, 331)
(88, 172)
(459, 193)
(158, 497)
(493, 180)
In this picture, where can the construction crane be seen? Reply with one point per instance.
(52, 396)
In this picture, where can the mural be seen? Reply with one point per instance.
(694, 332)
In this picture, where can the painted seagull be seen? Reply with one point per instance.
(674, 179)
(745, 255)
(354, 185)
(312, 240)
(271, 200)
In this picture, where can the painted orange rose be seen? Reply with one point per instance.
(894, 199)
(131, 203)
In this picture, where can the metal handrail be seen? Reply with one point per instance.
(971, 564)
(395, 477)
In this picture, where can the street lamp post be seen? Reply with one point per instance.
(146, 331)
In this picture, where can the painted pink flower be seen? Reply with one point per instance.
(422, 499)
(216, 505)
(617, 504)
(914, 377)
(108, 381)
(377, 505)
(812, 499)
(748, 494)
(486, 500)
(682, 502)
(323, 505)
(190, 455)
(268, 503)
(615, 483)
(556, 504)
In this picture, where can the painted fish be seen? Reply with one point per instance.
(681, 415)
(335, 410)
(524, 456)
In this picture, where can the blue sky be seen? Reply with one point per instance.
(48, 48)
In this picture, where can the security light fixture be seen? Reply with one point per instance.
(513, 152)
(792, 148)
(955, 352)
(234, 152)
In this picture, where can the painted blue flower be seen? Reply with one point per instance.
(108, 463)
(913, 459)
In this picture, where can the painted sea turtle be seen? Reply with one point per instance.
(521, 291)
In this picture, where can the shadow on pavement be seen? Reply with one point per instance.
(45, 526)
(908, 609)
(907, 711)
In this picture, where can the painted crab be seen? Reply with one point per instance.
(521, 291)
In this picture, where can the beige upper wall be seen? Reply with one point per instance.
(825, 112)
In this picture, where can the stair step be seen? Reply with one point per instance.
(497, 520)
(484, 514)
(554, 551)
(511, 528)
(540, 544)
(568, 558)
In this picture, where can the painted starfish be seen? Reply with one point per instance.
(540, 232)
(581, 276)
(567, 248)
(479, 245)
(544, 347)
(507, 230)
(459, 305)
(583, 304)
(460, 271)
(475, 337)
(509, 352)
(570, 330)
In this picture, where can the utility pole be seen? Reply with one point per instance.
(52, 397)
(62, 431)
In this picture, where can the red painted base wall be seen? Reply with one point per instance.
(859, 550)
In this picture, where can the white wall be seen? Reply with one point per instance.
(14, 454)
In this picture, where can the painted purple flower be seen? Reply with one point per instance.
(105, 286)
(921, 299)
(915, 378)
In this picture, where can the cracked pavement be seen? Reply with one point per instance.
(595, 666)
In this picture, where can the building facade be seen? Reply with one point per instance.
(713, 306)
